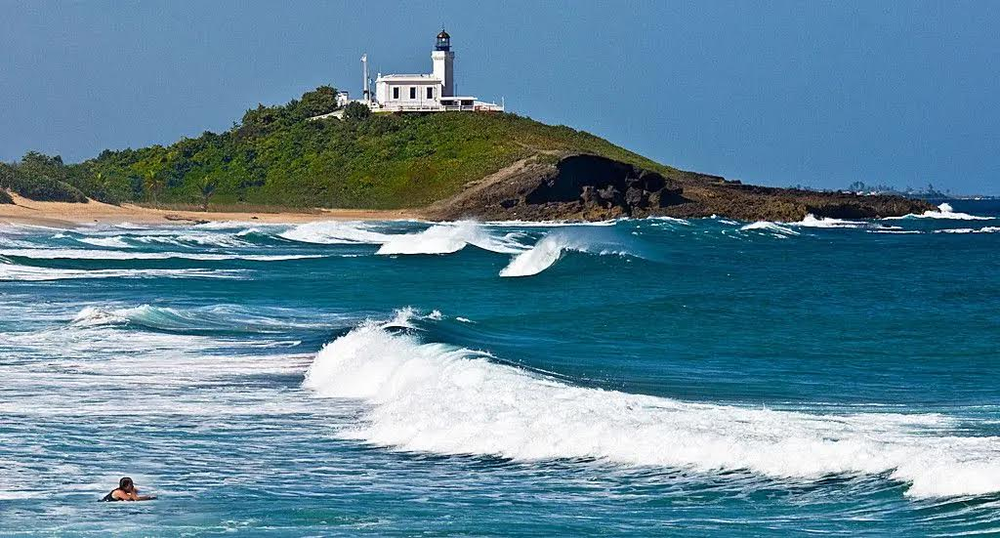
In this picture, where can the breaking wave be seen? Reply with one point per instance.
(440, 399)
(335, 232)
(202, 239)
(108, 242)
(944, 211)
(811, 221)
(449, 238)
(773, 227)
(437, 239)
(551, 247)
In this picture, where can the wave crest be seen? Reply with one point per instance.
(435, 398)
(551, 247)
(447, 239)
(767, 226)
(944, 211)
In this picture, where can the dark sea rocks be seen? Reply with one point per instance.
(589, 187)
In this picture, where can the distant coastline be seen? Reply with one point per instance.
(441, 166)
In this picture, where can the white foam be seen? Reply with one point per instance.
(447, 239)
(335, 232)
(12, 272)
(983, 230)
(109, 242)
(810, 221)
(673, 220)
(549, 223)
(85, 254)
(767, 226)
(944, 211)
(204, 239)
(441, 399)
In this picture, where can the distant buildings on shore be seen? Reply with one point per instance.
(430, 92)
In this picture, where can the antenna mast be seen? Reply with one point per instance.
(366, 93)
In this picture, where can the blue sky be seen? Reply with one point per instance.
(810, 92)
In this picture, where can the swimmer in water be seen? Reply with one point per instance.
(126, 491)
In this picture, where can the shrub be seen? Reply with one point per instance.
(356, 112)
(35, 186)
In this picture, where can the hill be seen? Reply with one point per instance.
(279, 156)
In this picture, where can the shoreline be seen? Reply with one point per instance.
(67, 215)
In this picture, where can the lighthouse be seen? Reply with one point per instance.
(431, 92)
(443, 59)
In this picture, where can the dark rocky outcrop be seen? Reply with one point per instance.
(590, 187)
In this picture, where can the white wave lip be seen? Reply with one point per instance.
(944, 211)
(550, 248)
(448, 239)
(440, 399)
(811, 221)
(768, 226)
(108, 242)
(546, 252)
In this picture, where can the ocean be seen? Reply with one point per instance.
(697, 377)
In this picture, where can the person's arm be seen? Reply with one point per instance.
(136, 497)
(131, 496)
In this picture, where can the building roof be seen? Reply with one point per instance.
(409, 78)
(443, 35)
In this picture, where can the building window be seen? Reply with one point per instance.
(430, 92)
(413, 93)
(395, 93)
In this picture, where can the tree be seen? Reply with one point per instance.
(207, 187)
(35, 158)
(153, 184)
(6, 176)
(356, 112)
(322, 100)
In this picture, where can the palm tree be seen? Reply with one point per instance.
(207, 188)
(153, 184)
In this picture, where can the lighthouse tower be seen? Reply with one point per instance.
(444, 64)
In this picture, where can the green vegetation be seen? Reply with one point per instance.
(40, 177)
(277, 156)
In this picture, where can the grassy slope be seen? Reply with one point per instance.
(275, 157)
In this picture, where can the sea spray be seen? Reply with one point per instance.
(944, 211)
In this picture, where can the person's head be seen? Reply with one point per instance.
(125, 484)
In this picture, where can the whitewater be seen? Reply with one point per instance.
(658, 376)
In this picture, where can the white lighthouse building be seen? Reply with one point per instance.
(433, 92)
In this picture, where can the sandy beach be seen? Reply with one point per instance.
(60, 214)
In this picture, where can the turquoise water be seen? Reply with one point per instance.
(699, 377)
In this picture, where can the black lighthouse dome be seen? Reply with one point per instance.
(443, 41)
